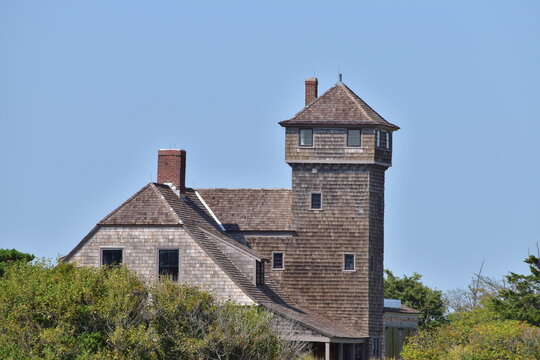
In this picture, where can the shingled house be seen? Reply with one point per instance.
(312, 254)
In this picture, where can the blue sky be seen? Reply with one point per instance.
(90, 90)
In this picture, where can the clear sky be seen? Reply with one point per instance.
(89, 90)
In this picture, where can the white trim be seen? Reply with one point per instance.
(210, 211)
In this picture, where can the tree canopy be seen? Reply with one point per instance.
(8, 257)
(413, 293)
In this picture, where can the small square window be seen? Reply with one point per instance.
(348, 262)
(316, 201)
(354, 137)
(277, 261)
(306, 137)
(168, 264)
(111, 257)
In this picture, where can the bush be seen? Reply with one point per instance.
(476, 335)
(69, 312)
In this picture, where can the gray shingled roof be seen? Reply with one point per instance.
(339, 106)
(250, 209)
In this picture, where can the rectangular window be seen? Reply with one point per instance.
(354, 137)
(168, 264)
(306, 137)
(376, 347)
(383, 139)
(316, 201)
(259, 273)
(348, 262)
(111, 257)
(277, 261)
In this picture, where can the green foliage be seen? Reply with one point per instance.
(475, 335)
(8, 257)
(413, 293)
(69, 312)
(521, 300)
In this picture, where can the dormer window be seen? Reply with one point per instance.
(354, 137)
(306, 137)
(316, 201)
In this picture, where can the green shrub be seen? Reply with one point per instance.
(70, 312)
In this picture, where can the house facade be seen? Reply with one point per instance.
(312, 254)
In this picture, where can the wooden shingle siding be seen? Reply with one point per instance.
(140, 246)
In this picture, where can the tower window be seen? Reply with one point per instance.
(306, 137)
(111, 257)
(277, 261)
(316, 201)
(259, 273)
(348, 262)
(354, 137)
(383, 139)
(168, 264)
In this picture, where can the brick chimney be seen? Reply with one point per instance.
(172, 168)
(311, 90)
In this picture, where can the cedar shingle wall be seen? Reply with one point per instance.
(331, 145)
(140, 246)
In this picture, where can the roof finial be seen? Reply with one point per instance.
(340, 77)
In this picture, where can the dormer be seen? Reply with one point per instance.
(337, 127)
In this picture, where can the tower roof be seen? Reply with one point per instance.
(338, 106)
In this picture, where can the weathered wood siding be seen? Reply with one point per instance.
(140, 253)
(331, 145)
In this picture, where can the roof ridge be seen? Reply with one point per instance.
(160, 195)
(355, 99)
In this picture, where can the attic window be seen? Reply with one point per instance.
(259, 273)
(354, 137)
(168, 264)
(348, 262)
(111, 257)
(277, 261)
(306, 137)
(316, 201)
